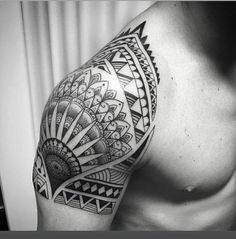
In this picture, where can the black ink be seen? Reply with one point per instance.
(97, 124)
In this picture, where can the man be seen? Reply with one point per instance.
(142, 136)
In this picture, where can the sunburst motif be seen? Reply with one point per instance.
(80, 133)
(95, 129)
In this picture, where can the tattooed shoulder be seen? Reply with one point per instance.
(97, 125)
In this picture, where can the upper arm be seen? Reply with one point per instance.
(95, 128)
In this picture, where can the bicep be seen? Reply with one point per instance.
(95, 129)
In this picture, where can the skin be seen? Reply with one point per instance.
(186, 179)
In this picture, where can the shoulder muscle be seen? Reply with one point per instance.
(96, 126)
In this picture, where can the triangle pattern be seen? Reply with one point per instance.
(137, 107)
(100, 116)
(111, 141)
(95, 108)
(104, 68)
(138, 135)
(105, 124)
(118, 57)
(81, 97)
(113, 151)
(101, 205)
(84, 200)
(124, 80)
(125, 70)
(43, 190)
(132, 87)
(135, 117)
(44, 194)
(140, 125)
(144, 39)
(88, 102)
(42, 171)
(118, 65)
(68, 196)
(139, 29)
(131, 99)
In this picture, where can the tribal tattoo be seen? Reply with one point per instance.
(96, 126)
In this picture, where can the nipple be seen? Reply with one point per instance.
(188, 189)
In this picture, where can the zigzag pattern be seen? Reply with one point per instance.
(92, 187)
(86, 203)
(129, 75)
(84, 128)
(90, 195)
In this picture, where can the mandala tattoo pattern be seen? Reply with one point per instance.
(96, 126)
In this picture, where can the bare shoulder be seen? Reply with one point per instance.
(97, 125)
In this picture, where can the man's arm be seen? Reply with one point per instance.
(95, 128)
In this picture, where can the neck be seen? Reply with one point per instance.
(213, 24)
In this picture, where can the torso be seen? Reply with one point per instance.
(188, 181)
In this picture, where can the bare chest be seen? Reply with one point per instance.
(190, 166)
(194, 142)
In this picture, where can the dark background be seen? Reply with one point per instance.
(3, 218)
